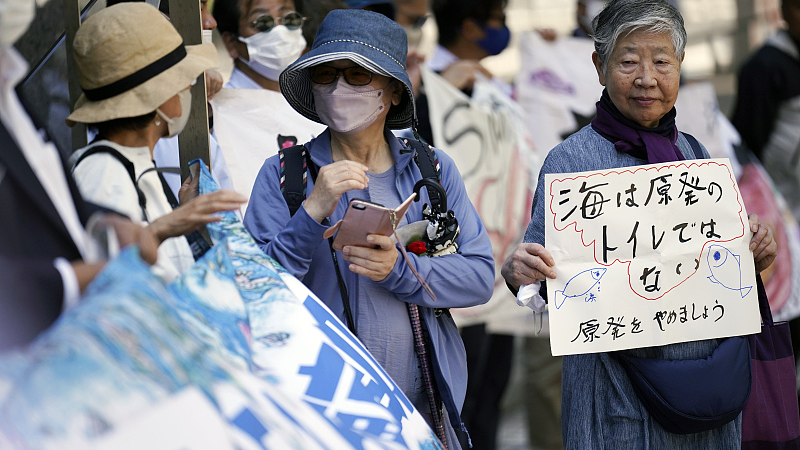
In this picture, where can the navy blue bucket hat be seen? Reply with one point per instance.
(369, 39)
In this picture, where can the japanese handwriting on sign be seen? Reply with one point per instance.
(616, 327)
(648, 255)
(646, 215)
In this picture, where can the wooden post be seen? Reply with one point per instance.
(193, 140)
(72, 21)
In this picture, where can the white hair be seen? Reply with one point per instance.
(622, 17)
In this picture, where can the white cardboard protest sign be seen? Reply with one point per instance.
(648, 255)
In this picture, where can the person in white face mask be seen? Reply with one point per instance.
(262, 36)
(252, 120)
(135, 75)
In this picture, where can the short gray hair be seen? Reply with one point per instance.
(622, 17)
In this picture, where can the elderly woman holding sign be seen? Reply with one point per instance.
(639, 49)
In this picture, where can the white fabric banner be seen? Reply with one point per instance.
(648, 255)
(557, 86)
(251, 125)
(486, 136)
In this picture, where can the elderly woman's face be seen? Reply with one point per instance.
(642, 76)
(349, 98)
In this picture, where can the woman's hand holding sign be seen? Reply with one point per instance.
(763, 244)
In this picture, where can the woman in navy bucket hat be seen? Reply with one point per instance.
(374, 43)
(354, 81)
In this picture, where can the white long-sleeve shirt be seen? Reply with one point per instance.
(103, 180)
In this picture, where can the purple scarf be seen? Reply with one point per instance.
(658, 143)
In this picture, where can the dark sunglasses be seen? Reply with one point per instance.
(354, 76)
(292, 20)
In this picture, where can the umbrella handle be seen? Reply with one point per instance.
(436, 193)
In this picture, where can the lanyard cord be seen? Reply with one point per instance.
(348, 312)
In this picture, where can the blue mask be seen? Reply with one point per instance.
(496, 40)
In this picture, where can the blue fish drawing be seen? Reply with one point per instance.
(726, 269)
(579, 285)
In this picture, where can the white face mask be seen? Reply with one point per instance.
(345, 108)
(414, 36)
(176, 124)
(272, 51)
(15, 17)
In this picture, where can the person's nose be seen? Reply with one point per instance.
(209, 23)
(646, 76)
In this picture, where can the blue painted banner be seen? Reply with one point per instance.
(278, 367)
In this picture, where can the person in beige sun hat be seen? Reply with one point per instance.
(135, 74)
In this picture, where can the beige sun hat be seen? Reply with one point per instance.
(130, 60)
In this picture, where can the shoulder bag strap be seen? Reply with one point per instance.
(698, 152)
(428, 163)
(128, 166)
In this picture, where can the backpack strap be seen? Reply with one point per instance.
(294, 176)
(125, 162)
(428, 163)
(698, 151)
(197, 242)
(294, 164)
(173, 202)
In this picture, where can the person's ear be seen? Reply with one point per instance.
(397, 92)
(598, 66)
(472, 31)
(231, 45)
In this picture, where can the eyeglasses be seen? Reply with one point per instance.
(418, 21)
(292, 20)
(354, 76)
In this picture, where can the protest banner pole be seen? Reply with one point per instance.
(193, 140)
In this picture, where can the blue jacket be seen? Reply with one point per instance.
(459, 280)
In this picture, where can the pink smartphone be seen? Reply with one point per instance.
(363, 218)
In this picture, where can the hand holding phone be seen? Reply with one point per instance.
(363, 218)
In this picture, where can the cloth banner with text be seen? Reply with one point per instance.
(556, 86)
(486, 136)
(648, 255)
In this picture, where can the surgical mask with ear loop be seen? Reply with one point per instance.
(345, 108)
(176, 124)
(15, 18)
(272, 51)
